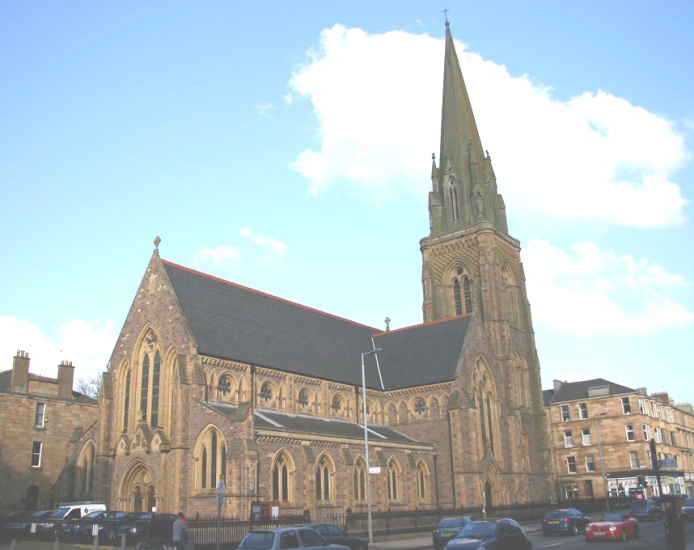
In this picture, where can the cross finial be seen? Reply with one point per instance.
(387, 322)
(445, 11)
(156, 242)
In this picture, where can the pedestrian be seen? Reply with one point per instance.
(674, 528)
(180, 532)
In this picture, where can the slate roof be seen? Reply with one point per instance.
(233, 322)
(341, 429)
(574, 391)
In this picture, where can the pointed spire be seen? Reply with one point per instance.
(464, 192)
(459, 135)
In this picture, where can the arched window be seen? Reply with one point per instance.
(462, 295)
(489, 421)
(266, 392)
(85, 466)
(510, 294)
(337, 403)
(453, 197)
(422, 478)
(149, 389)
(393, 490)
(224, 385)
(280, 479)
(126, 401)
(303, 398)
(213, 458)
(419, 406)
(359, 481)
(484, 393)
(323, 490)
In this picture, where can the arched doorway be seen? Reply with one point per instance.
(138, 490)
(32, 498)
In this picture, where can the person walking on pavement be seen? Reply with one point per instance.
(180, 532)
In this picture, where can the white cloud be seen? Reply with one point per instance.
(278, 248)
(88, 345)
(581, 292)
(217, 255)
(594, 157)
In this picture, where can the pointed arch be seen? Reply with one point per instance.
(210, 457)
(393, 480)
(485, 398)
(85, 469)
(460, 277)
(511, 293)
(338, 405)
(434, 407)
(305, 399)
(324, 476)
(419, 408)
(283, 469)
(391, 414)
(422, 480)
(137, 490)
(268, 393)
(359, 479)
(147, 354)
(124, 385)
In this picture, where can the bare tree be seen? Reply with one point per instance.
(89, 385)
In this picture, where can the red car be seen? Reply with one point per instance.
(613, 526)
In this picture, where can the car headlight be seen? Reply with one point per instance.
(613, 528)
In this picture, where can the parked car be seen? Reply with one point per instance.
(446, 530)
(66, 515)
(288, 537)
(645, 510)
(687, 510)
(13, 518)
(502, 534)
(107, 522)
(612, 526)
(336, 535)
(148, 525)
(568, 521)
(22, 525)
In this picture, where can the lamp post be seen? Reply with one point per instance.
(602, 462)
(366, 446)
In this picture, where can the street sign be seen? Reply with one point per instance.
(375, 470)
(668, 463)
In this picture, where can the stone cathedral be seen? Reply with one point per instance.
(217, 388)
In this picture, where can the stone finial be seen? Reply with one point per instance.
(387, 322)
(157, 240)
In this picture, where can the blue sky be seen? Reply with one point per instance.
(286, 146)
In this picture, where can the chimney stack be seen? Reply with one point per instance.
(20, 372)
(66, 375)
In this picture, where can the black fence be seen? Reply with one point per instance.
(227, 532)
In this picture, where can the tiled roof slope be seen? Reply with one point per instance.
(573, 391)
(233, 322)
(342, 429)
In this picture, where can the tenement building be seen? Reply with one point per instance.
(40, 419)
(214, 388)
(602, 436)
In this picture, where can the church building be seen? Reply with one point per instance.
(215, 388)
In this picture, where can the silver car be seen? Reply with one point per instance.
(288, 537)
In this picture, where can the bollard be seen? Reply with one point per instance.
(96, 543)
(56, 544)
(122, 542)
(13, 544)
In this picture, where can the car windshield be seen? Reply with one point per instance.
(689, 502)
(451, 522)
(477, 530)
(60, 512)
(258, 540)
(613, 517)
(555, 515)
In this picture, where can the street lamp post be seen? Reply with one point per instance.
(366, 446)
(602, 462)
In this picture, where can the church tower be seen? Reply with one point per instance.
(472, 266)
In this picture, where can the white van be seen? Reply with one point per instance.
(76, 510)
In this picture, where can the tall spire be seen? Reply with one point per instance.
(464, 186)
